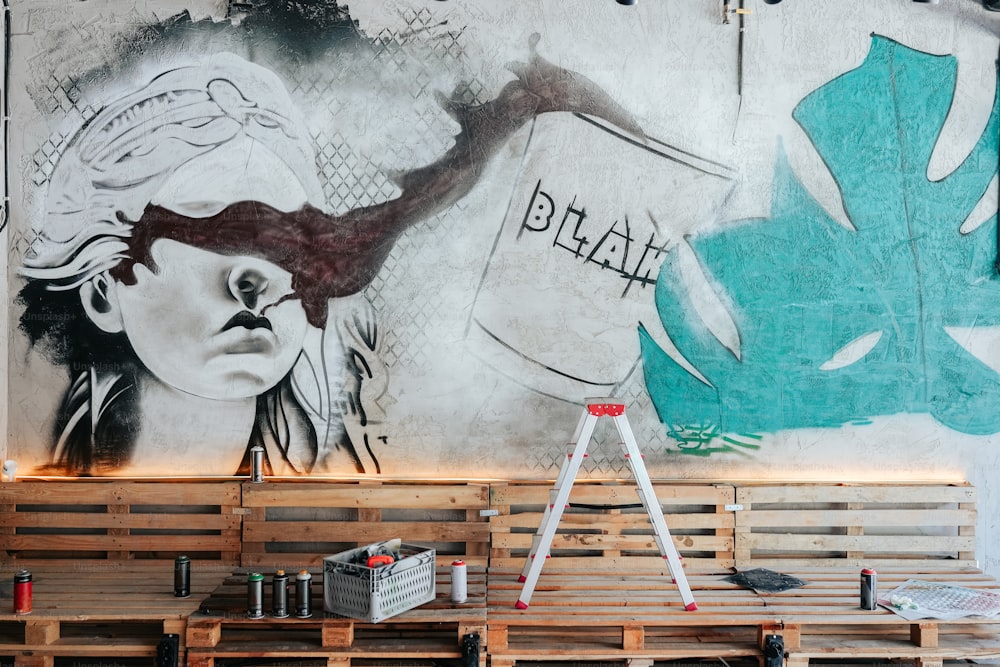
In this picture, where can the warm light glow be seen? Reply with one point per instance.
(774, 477)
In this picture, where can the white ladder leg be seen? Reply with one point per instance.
(550, 522)
(560, 480)
(649, 500)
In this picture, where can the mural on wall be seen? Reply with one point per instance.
(840, 325)
(185, 257)
(274, 228)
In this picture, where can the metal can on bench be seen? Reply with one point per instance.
(303, 594)
(255, 595)
(869, 589)
(22, 592)
(182, 577)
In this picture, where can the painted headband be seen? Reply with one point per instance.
(215, 122)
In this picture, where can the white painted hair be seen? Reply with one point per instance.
(195, 139)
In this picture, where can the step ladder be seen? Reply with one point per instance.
(594, 409)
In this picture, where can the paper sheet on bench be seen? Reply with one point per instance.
(941, 601)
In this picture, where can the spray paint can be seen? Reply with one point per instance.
(255, 595)
(22, 592)
(182, 577)
(303, 594)
(257, 464)
(869, 589)
(459, 582)
(279, 595)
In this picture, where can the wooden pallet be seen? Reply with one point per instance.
(855, 525)
(617, 539)
(114, 610)
(330, 517)
(434, 631)
(823, 620)
(109, 520)
(631, 618)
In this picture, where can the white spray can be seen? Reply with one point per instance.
(459, 582)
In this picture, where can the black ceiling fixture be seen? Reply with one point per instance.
(771, 2)
(992, 5)
(626, 2)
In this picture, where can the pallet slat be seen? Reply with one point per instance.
(305, 494)
(104, 492)
(855, 524)
(362, 531)
(143, 521)
(283, 516)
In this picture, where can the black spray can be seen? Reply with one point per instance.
(182, 577)
(303, 594)
(869, 589)
(279, 595)
(255, 595)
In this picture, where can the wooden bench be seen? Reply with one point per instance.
(826, 533)
(603, 594)
(282, 518)
(101, 555)
(102, 552)
(606, 593)
(431, 633)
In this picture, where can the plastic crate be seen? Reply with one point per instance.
(374, 594)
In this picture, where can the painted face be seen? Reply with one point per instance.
(212, 325)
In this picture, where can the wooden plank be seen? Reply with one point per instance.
(290, 559)
(925, 518)
(792, 561)
(364, 531)
(862, 493)
(67, 543)
(611, 564)
(577, 541)
(103, 492)
(623, 492)
(877, 544)
(968, 528)
(86, 520)
(118, 510)
(675, 522)
(354, 495)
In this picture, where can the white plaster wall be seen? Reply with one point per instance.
(673, 65)
(4, 280)
(651, 57)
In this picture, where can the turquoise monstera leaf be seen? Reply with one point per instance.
(800, 287)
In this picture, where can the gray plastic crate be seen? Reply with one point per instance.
(374, 594)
